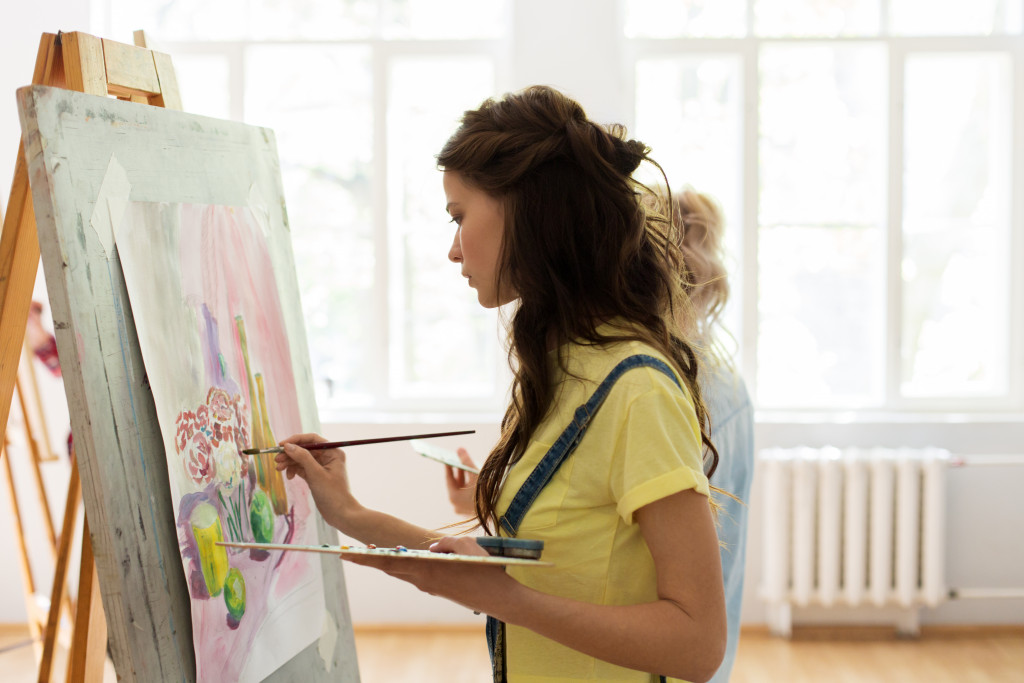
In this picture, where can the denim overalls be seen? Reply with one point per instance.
(545, 469)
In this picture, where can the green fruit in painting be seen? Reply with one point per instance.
(234, 593)
(261, 517)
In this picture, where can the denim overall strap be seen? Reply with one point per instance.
(570, 439)
(563, 447)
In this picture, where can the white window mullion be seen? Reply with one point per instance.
(236, 80)
(894, 228)
(381, 324)
(751, 204)
(750, 223)
(630, 57)
(1017, 233)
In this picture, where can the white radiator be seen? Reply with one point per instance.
(853, 528)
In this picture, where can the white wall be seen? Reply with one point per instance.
(570, 49)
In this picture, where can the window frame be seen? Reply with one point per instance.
(898, 49)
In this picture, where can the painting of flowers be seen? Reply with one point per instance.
(207, 297)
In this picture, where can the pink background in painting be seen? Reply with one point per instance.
(233, 276)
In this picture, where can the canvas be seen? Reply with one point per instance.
(208, 314)
(206, 356)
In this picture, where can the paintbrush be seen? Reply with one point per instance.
(356, 442)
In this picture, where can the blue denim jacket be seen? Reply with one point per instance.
(732, 432)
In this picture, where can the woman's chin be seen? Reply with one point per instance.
(487, 303)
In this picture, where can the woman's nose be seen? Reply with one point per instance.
(455, 253)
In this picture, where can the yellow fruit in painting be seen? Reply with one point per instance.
(213, 558)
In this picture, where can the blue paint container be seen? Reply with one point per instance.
(511, 547)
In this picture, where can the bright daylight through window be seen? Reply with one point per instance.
(866, 180)
(863, 152)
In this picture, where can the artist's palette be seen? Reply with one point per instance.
(399, 553)
(429, 450)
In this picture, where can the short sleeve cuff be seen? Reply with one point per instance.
(677, 480)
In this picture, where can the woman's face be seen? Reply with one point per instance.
(477, 245)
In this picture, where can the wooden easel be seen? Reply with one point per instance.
(84, 63)
(39, 451)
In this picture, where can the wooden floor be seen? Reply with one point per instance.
(940, 655)
(18, 658)
(458, 655)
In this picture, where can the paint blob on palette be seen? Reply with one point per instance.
(397, 552)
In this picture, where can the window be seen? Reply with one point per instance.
(361, 95)
(864, 153)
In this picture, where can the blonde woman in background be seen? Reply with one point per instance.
(724, 393)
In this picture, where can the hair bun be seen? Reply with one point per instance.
(629, 154)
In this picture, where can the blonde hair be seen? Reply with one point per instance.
(704, 277)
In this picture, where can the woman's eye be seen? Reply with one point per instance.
(457, 220)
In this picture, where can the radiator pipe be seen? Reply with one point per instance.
(985, 593)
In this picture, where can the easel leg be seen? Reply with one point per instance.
(36, 458)
(37, 400)
(19, 243)
(19, 261)
(89, 644)
(60, 572)
(26, 569)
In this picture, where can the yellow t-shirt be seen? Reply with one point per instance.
(642, 445)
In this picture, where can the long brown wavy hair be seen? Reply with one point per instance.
(579, 249)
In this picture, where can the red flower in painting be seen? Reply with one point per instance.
(220, 420)
(241, 410)
(220, 404)
(196, 457)
(244, 468)
(203, 418)
(186, 427)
